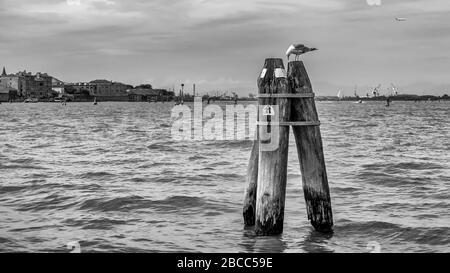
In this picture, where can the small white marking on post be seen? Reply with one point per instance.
(268, 111)
(280, 73)
(263, 73)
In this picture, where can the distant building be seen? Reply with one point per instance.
(43, 86)
(149, 94)
(142, 94)
(58, 86)
(28, 85)
(105, 88)
(4, 94)
(7, 94)
(79, 88)
(108, 90)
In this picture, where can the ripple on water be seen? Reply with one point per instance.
(66, 177)
(133, 203)
(94, 175)
(18, 167)
(11, 189)
(51, 202)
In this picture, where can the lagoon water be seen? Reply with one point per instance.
(111, 178)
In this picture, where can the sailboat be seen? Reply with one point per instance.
(394, 90)
(95, 101)
(339, 95)
(359, 101)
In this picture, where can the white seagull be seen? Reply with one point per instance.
(400, 19)
(297, 50)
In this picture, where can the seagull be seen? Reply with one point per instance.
(297, 50)
(400, 19)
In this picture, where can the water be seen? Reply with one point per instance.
(111, 178)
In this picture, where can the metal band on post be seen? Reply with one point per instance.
(289, 96)
(290, 123)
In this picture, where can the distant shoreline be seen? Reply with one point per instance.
(384, 98)
(415, 98)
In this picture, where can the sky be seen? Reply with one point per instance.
(221, 45)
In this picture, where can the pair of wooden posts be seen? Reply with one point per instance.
(267, 172)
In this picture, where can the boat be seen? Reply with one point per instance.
(31, 100)
(359, 102)
(339, 95)
(95, 101)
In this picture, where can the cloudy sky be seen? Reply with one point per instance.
(221, 45)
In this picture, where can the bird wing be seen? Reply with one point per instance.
(289, 50)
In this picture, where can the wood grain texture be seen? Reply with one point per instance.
(272, 169)
(251, 187)
(310, 151)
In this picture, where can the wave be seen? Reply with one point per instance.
(95, 175)
(197, 157)
(417, 166)
(28, 167)
(365, 226)
(161, 147)
(386, 166)
(51, 202)
(243, 144)
(344, 190)
(11, 189)
(385, 230)
(102, 223)
(133, 203)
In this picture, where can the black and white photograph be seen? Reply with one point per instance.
(250, 127)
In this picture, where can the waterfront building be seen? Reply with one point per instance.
(108, 90)
(142, 94)
(58, 86)
(42, 86)
(6, 93)
(28, 85)
(79, 88)
(149, 94)
(103, 90)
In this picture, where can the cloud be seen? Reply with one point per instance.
(88, 2)
(222, 44)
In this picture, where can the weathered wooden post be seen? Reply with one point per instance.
(310, 149)
(251, 186)
(272, 167)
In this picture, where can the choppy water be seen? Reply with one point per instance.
(111, 178)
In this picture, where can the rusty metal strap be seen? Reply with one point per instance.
(290, 123)
(298, 95)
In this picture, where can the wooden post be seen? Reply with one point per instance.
(272, 168)
(310, 150)
(251, 187)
